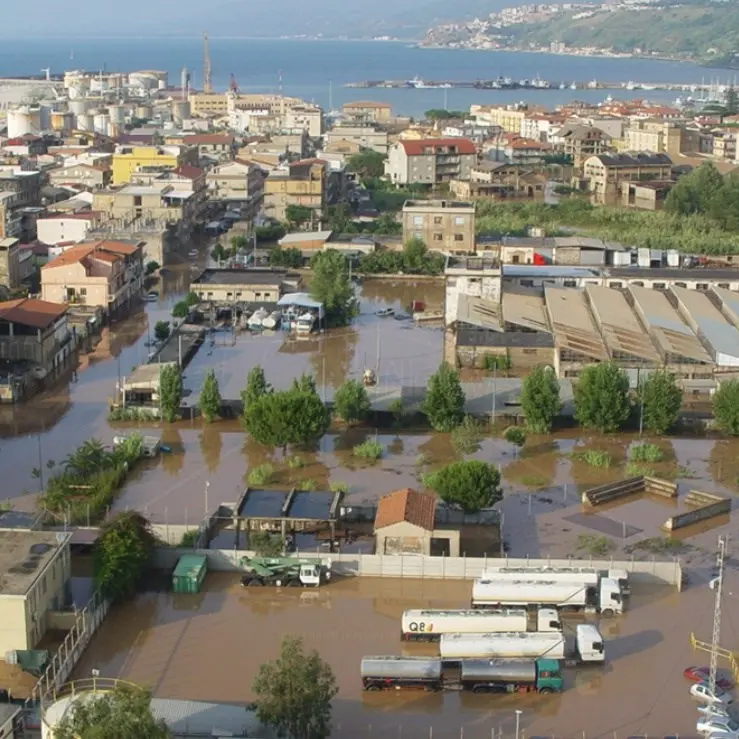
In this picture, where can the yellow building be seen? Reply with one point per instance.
(130, 159)
(34, 572)
(509, 120)
(209, 104)
(301, 183)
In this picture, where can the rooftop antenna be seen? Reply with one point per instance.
(207, 82)
(234, 85)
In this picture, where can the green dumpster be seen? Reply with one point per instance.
(189, 574)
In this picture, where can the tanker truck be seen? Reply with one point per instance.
(585, 575)
(587, 648)
(430, 625)
(478, 676)
(604, 598)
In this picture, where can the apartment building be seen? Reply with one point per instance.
(238, 181)
(130, 159)
(302, 183)
(658, 136)
(308, 118)
(604, 173)
(363, 111)
(66, 228)
(509, 119)
(364, 136)
(208, 105)
(35, 567)
(430, 161)
(444, 225)
(212, 147)
(580, 142)
(539, 126)
(724, 146)
(88, 176)
(25, 185)
(108, 274)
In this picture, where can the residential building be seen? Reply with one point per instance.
(239, 181)
(443, 225)
(470, 277)
(724, 145)
(10, 253)
(539, 126)
(308, 118)
(430, 161)
(24, 184)
(509, 119)
(66, 228)
(11, 216)
(245, 285)
(604, 173)
(658, 136)
(130, 159)
(35, 571)
(212, 147)
(512, 148)
(365, 136)
(208, 104)
(580, 142)
(475, 132)
(302, 183)
(500, 180)
(108, 274)
(88, 176)
(188, 183)
(367, 112)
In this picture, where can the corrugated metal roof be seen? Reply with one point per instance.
(479, 312)
(619, 325)
(572, 323)
(528, 311)
(729, 302)
(698, 309)
(672, 334)
(547, 271)
(198, 718)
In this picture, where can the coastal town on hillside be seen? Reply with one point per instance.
(337, 423)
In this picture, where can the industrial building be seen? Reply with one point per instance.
(231, 286)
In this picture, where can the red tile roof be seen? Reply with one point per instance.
(406, 505)
(30, 312)
(189, 172)
(416, 148)
(108, 251)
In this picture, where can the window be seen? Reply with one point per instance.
(616, 285)
(83, 291)
(418, 235)
(418, 220)
(724, 285)
(529, 351)
(527, 283)
(570, 283)
(438, 220)
(459, 237)
(658, 285)
(702, 286)
(680, 284)
(438, 236)
(459, 221)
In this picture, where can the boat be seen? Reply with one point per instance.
(256, 318)
(305, 323)
(192, 253)
(385, 312)
(151, 297)
(272, 320)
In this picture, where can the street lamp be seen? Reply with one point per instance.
(518, 720)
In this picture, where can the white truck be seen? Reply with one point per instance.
(429, 625)
(586, 575)
(604, 598)
(587, 648)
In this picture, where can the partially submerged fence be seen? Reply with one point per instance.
(706, 505)
(612, 491)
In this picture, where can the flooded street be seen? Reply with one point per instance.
(209, 647)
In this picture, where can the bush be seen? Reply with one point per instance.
(638, 470)
(466, 438)
(646, 453)
(351, 402)
(180, 310)
(306, 485)
(295, 462)
(132, 414)
(261, 474)
(189, 538)
(264, 544)
(515, 435)
(337, 486)
(595, 546)
(495, 362)
(369, 450)
(443, 403)
(594, 458)
(161, 330)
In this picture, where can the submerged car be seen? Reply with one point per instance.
(702, 675)
(703, 693)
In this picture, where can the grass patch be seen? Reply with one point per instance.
(686, 473)
(132, 414)
(466, 438)
(422, 460)
(596, 546)
(515, 435)
(594, 458)
(295, 463)
(306, 485)
(337, 486)
(189, 538)
(658, 545)
(646, 453)
(534, 481)
(639, 470)
(261, 475)
(369, 450)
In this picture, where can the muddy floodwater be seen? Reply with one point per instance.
(209, 647)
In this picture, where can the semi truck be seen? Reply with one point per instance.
(477, 676)
(604, 598)
(429, 625)
(585, 575)
(587, 648)
(285, 571)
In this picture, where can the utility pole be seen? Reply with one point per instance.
(718, 587)
(207, 81)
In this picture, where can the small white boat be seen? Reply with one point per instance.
(272, 320)
(256, 318)
(385, 312)
(192, 253)
(305, 323)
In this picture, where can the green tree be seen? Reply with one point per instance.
(284, 418)
(122, 713)
(294, 692)
(540, 399)
(298, 214)
(351, 402)
(436, 113)
(238, 243)
(289, 257)
(210, 397)
(152, 266)
(414, 254)
(161, 330)
(340, 218)
(121, 554)
(170, 392)
(218, 253)
(306, 383)
(332, 287)
(256, 387)
(661, 397)
(732, 101)
(192, 299)
(471, 485)
(443, 403)
(602, 397)
(264, 544)
(180, 310)
(367, 164)
(726, 406)
(387, 224)
(269, 233)
(695, 192)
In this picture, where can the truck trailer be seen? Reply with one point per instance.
(587, 648)
(604, 598)
(477, 676)
(429, 625)
(585, 575)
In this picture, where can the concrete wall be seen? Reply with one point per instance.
(13, 623)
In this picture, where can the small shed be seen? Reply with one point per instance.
(405, 524)
(189, 574)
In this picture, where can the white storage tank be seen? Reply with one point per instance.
(24, 120)
(180, 111)
(78, 107)
(86, 122)
(117, 114)
(101, 123)
(144, 112)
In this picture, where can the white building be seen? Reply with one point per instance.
(70, 228)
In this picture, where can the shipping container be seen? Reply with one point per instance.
(189, 574)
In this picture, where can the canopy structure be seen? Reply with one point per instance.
(301, 300)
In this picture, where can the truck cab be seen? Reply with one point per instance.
(622, 578)
(547, 619)
(610, 598)
(313, 575)
(589, 644)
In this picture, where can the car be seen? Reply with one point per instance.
(713, 710)
(718, 726)
(703, 693)
(702, 674)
